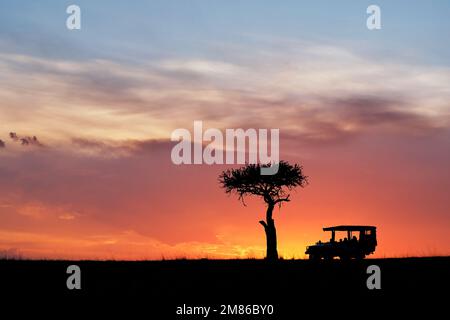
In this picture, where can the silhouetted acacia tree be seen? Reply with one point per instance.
(273, 189)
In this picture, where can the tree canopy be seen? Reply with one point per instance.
(273, 188)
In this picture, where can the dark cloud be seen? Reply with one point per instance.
(364, 112)
(342, 119)
(13, 136)
(369, 110)
(121, 148)
(25, 140)
(2, 144)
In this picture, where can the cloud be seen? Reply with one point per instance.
(33, 210)
(25, 140)
(119, 148)
(13, 136)
(343, 118)
(304, 88)
(373, 111)
(201, 67)
(2, 144)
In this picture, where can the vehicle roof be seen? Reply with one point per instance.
(349, 228)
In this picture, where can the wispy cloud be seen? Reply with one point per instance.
(305, 89)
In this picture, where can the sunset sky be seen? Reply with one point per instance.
(366, 113)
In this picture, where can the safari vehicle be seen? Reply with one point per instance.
(347, 248)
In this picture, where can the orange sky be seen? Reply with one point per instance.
(63, 204)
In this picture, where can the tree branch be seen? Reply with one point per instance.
(263, 223)
(283, 199)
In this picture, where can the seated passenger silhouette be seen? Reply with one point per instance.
(354, 241)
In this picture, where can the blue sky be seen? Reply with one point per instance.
(142, 29)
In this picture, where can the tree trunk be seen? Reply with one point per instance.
(271, 234)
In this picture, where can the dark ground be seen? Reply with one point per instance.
(292, 286)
